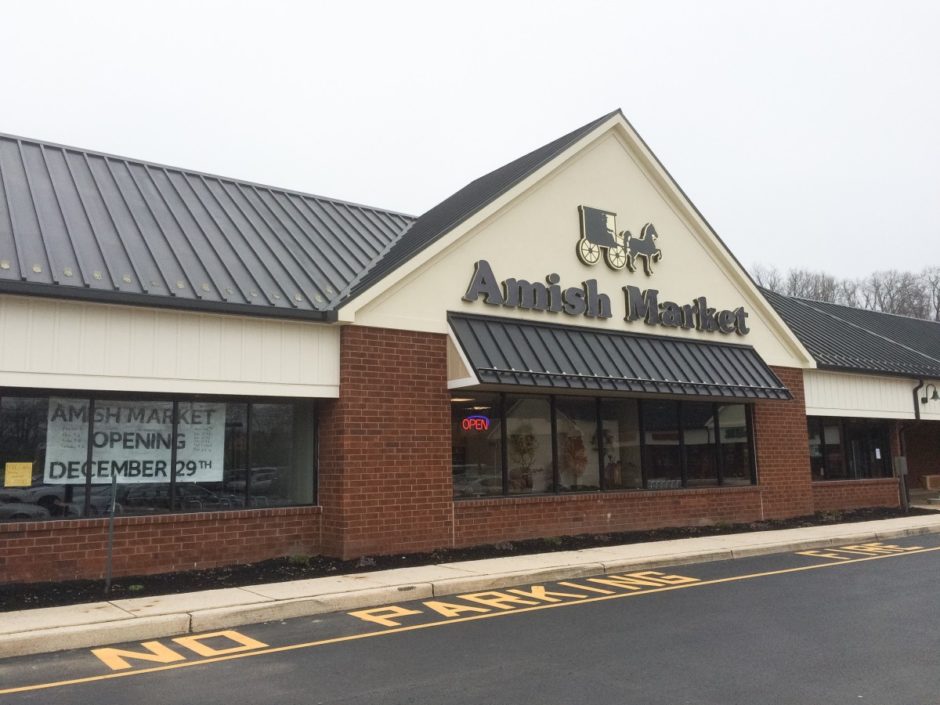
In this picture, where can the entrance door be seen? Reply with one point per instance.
(867, 450)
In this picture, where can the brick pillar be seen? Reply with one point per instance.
(385, 475)
(923, 451)
(782, 442)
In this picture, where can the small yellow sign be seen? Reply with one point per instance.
(18, 475)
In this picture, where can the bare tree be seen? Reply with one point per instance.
(768, 277)
(930, 279)
(890, 291)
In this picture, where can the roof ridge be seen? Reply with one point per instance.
(197, 172)
(861, 310)
(805, 303)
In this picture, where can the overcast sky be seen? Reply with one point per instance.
(807, 133)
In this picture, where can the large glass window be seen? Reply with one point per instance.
(281, 468)
(165, 455)
(848, 449)
(620, 424)
(575, 443)
(476, 437)
(735, 449)
(661, 441)
(699, 434)
(529, 444)
(578, 459)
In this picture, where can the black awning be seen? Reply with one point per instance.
(521, 353)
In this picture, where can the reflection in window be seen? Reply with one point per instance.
(699, 438)
(848, 449)
(621, 436)
(529, 444)
(653, 444)
(832, 439)
(816, 459)
(576, 423)
(281, 455)
(24, 492)
(661, 440)
(476, 435)
(44, 467)
(735, 447)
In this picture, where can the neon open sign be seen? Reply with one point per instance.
(476, 422)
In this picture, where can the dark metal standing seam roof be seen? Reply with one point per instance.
(522, 353)
(853, 340)
(93, 226)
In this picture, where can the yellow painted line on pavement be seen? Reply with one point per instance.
(457, 620)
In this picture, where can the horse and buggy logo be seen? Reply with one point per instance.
(620, 248)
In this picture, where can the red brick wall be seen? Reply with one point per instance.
(851, 494)
(385, 465)
(480, 521)
(782, 445)
(923, 450)
(65, 550)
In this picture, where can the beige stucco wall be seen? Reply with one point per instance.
(536, 234)
(840, 394)
(73, 345)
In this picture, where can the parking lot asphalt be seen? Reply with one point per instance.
(849, 623)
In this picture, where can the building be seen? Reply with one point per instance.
(563, 346)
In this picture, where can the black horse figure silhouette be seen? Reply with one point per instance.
(643, 246)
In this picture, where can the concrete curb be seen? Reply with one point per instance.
(81, 626)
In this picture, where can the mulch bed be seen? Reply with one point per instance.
(25, 596)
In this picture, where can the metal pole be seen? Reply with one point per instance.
(107, 579)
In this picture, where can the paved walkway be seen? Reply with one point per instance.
(135, 619)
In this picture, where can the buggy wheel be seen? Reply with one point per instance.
(616, 257)
(588, 251)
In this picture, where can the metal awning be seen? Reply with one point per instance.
(522, 353)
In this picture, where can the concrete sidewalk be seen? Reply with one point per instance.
(97, 623)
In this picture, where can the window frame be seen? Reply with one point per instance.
(599, 451)
(94, 396)
(881, 426)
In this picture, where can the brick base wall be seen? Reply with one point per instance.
(853, 494)
(481, 521)
(66, 550)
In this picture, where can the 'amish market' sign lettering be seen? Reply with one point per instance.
(586, 300)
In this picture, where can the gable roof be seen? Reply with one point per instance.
(454, 210)
(92, 226)
(853, 340)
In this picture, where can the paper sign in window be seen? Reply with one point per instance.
(18, 475)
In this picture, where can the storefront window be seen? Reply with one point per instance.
(25, 493)
(580, 443)
(699, 432)
(735, 446)
(848, 449)
(476, 433)
(867, 450)
(661, 441)
(620, 423)
(578, 458)
(816, 447)
(832, 445)
(281, 470)
(529, 444)
(49, 471)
